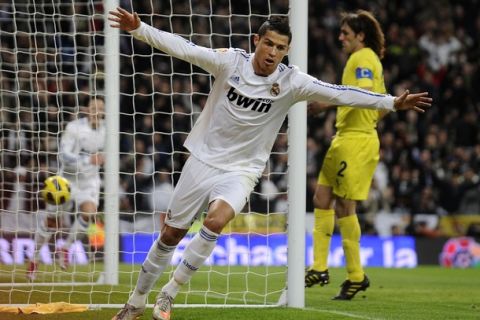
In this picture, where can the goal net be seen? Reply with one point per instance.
(52, 59)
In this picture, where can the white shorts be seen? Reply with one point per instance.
(85, 189)
(199, 185)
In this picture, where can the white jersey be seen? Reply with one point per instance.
(244, 112)
(78, 143)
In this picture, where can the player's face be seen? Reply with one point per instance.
(96, 111)
(350, 40)
(270, 49)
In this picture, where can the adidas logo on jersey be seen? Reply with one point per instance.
(259, 105)
(235, 79)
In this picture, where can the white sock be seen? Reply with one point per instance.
(195, 254)
(42, 236)
(157, 260)
(77, 231)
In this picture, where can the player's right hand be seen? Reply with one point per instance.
(123, 19)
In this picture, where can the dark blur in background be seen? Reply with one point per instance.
(429, 162)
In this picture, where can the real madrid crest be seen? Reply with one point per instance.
(275, 90)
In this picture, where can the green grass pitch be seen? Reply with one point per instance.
(420, 293)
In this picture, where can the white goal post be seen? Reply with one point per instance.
(112, 166)
(297, 153)
(53, 53)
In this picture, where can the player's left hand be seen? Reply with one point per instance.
(412, 101)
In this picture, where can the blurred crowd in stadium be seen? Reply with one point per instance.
(429, 162)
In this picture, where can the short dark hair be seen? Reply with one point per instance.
(279, 24)
(364, 21)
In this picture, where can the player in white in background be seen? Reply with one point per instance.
(81, 156)
(230, 142)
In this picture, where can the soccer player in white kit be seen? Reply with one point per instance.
(230, 142)
(80, 154)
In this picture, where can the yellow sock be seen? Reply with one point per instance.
(350, 231)
(322, 234)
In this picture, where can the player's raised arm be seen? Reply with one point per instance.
(312, 89)
(170, 43)
(123, 20)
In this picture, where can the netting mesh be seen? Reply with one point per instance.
(52, 62)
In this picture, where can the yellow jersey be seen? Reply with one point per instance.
(363, 69)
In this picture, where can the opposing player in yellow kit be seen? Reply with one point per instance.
(350, 162)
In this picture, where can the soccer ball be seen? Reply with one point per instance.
(56, 190)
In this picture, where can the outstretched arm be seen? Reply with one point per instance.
(311, 89)
(170, 43)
